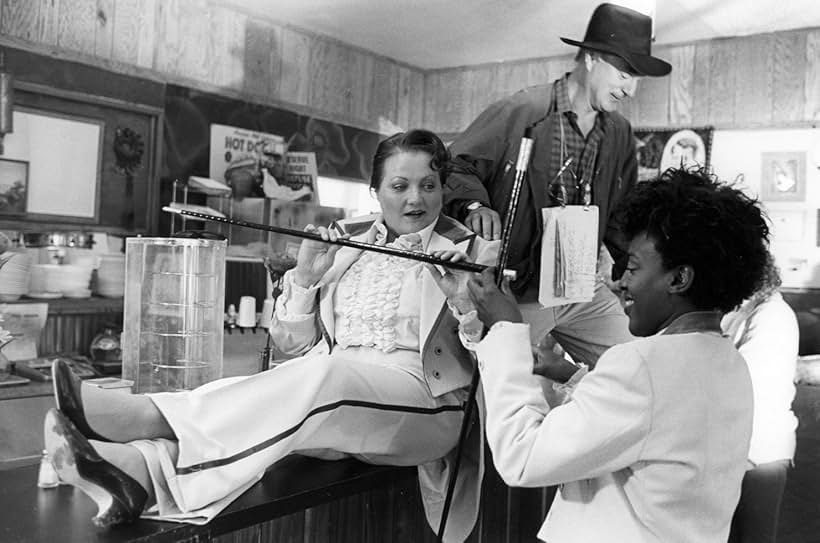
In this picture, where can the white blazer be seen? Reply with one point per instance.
(447, 365)
(652, 447)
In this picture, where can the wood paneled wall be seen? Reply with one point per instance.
(206, 45)
(753, 81)
(454, 97)
(764, 80)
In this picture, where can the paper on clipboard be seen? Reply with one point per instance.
(569, 255)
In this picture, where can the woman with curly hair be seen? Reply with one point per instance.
(652, 444)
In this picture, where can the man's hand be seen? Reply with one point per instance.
(485, 222)
(492, 304)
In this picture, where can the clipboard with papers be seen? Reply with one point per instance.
(569, 255)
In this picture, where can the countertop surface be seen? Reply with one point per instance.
(293, 484)
(241, 356)
(28, 390)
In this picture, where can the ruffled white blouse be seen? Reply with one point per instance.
(376, 303)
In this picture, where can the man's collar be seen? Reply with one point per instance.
(562, 103)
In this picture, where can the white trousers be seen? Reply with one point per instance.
(584, 330)
(354, 402)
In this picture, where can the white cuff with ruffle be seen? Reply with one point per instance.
(470, 327)
(296, 302)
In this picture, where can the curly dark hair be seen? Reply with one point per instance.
(771, 279)
(696, 220)
(417, 140)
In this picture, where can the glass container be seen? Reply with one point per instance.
(47, 476)
(105, 347)
(174, 300)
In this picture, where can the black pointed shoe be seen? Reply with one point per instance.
(69, 399)
(119, 497)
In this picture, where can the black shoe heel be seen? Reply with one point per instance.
(68, 395)
(119, 497)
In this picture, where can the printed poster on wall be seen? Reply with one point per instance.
(291, 178)
(300, 179)
(239, 157)
(257, 164)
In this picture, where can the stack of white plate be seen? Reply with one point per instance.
(78, 256)
(74, 281)
(45, 281)
(111, 275)
(14, 271)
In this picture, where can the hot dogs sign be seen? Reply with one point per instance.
(257, 164)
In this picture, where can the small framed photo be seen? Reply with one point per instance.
(13, 186)
(783, 177)
(660, 149)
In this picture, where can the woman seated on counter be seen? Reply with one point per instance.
(380, 374)
(652, 444)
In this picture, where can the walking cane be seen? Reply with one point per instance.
(521, 166)
(361, 245)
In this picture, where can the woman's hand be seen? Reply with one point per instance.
(315, 257)
(493, 305)
(453, 283)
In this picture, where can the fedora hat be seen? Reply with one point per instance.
(625, 33)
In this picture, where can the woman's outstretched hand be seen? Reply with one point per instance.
(493, 305)
(315, 257)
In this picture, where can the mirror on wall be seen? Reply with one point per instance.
(77, 160)
(51, 166)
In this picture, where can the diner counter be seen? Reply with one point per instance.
(304, 499)
(23, 407)
(294, 484)
(32, 389)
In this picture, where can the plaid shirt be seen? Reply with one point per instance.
(584, 152)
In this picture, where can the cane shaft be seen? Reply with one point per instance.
(522, 164)
(403, 253)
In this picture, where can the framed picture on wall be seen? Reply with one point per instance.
(13, 186)
(659, 149)
(783, 177)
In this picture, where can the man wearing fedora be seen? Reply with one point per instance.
(573, 118)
